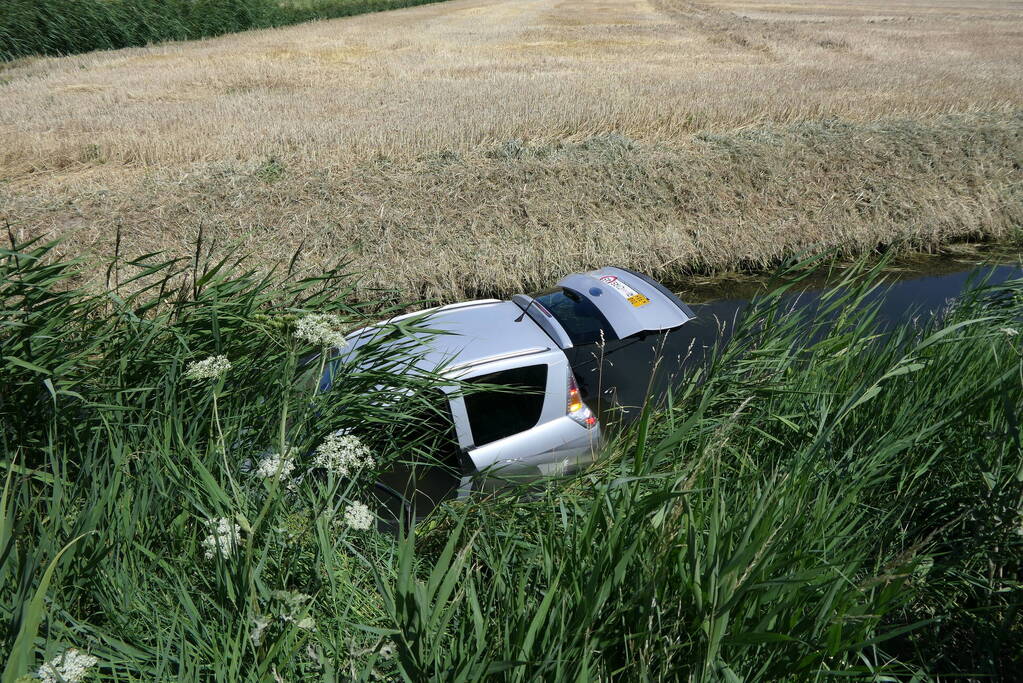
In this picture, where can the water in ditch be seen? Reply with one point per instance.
(622, 375)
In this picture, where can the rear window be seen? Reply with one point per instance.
(495, 414)
(581, 319)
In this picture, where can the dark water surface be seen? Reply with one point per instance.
(624, 374)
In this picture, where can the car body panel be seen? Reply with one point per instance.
(555, 436)
(465, 334)
(561, 441)
(555, 397)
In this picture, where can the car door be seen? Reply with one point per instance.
(515, 426)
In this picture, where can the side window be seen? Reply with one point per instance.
(516, 407)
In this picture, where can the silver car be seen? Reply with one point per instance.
(541, 424)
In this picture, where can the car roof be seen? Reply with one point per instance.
(471, 333)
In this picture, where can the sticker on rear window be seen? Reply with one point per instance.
(630, 294)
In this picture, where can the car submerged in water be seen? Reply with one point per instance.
(534, 412)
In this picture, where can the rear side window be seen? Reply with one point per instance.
(430, 431)
(581, 319)
(515, 408)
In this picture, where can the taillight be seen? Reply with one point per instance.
(577, 410)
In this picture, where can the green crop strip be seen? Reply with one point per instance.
(63, 27)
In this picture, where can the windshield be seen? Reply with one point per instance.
(582, 320)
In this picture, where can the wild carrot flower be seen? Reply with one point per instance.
(321, 329)
(209, 368)
(358, 516)
(343, 454)
(225, 537)
(276, 465)
(69, 667)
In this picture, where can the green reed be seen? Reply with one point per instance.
(821, 499)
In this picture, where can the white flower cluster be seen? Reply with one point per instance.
(343, 454)
(322, 329)
(1009, 331)
(69, 667)
(209, 368)
(225, 537)
(276, 465)
(358, 516)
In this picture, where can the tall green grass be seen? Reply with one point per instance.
(844, 506)
(63, 27)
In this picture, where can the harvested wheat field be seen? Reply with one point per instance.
(480, 146)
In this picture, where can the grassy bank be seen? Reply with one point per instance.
(518, 217)
(66, 27)
(849, 507)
